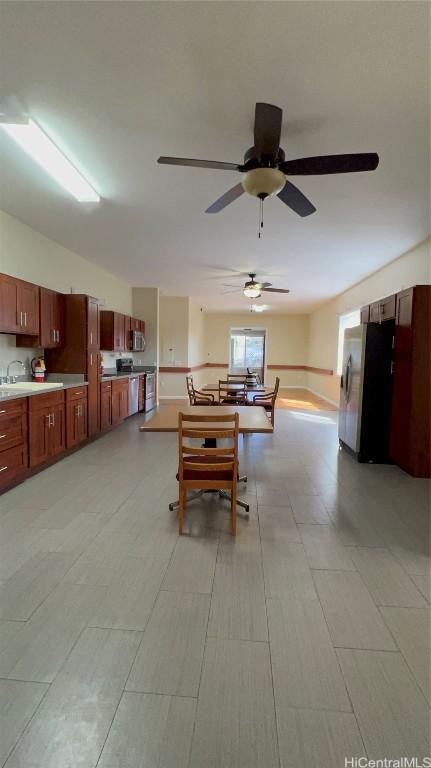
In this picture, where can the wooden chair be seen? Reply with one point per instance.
(232, 393)
(196, 397)
(207, 468)
(267, 400)
(255, 375)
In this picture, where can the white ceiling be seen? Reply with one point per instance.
(117, 84)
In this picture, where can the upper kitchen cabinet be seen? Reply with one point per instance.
(127, 329)
(93, 324)
(19, 306)
(137, 325)
(383, 310)
(51, 322)
(112, 331)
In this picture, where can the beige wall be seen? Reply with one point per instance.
(26, 254)
(145, 306)
(413, 268)
(174, 330)
(286, 339)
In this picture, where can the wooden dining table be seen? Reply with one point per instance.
(252, 418)
(235, 387)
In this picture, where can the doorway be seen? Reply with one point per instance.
(247, 350)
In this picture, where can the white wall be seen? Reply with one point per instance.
(413, 268)
(26, 254)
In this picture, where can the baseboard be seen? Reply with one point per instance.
(322, 397)
(173, 397)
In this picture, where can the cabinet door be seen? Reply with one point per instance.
(141, 326)
(76, 422)
(124, 402)
(47, 331)
(127, 332)
(105, 409)
(57, 430)
(404, 313)
(93, 324)
(39, 435)
(28, 307)
(9, 319)
(365, 314)
(93, 392)
(13, 463)
(58, 318)
(116, 407)
(119, 343)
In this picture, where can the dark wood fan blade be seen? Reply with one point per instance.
(265, 285)
(267, 130)
(226, 199)
(198, 163)
(276, 290)
(293, 197)
(314, 166)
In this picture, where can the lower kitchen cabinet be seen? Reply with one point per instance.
(76, 416)
(13, 441)
(47, 433)
(105, 405)
(120, 400)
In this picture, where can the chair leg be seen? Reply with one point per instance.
(181, 507)
(233, 510)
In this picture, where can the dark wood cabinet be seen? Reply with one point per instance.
(19, 306)
(383, 310)
(76, 416)
(105, 405)
(120, 400)
(127, 332)
(81, 353)
(93, 371)
(112, 331)
(410, 414)
(365, 314)
(93, 324)
(13, 441)
(51, 322)
(137, 325)
(47, 433)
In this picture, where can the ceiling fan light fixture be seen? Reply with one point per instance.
(263, 182)
(252, 291)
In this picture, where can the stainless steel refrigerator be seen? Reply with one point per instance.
(366, 391)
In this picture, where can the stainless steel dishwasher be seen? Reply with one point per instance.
(133, 395)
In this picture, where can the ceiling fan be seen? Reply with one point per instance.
(266, 170)
(253, 288)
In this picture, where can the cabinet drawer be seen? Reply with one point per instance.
(13, 430)
(12, 407)
(37, 402)
(76, 393)
(13, 463)
(105, 386)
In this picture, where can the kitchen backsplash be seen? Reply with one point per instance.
(9, 351)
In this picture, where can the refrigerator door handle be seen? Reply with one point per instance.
(348, 379)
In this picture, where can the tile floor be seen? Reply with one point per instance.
(303, 641)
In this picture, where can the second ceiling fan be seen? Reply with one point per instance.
(266, 170)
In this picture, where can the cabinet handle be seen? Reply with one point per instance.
(2, 469)
(57, 336)
(79, 393)
(53, 419)
(2, 436)
(49, 420)
(20, 319)
(2, 411)
(91, 337)
(53, 335)
(91, 358)
(25, 319)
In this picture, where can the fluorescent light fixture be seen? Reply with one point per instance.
(30, 137)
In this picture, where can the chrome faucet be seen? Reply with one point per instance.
(12, 380)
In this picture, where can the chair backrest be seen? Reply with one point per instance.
(277, 384)
(232, 390)
(198, 427)
(190, 389)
